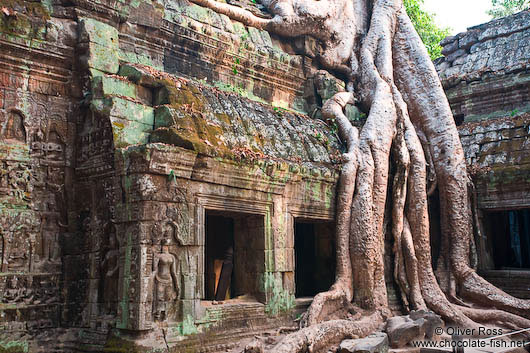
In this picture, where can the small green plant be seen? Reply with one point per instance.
(279, 110)
(281, 300)
(361, 116)
(514, 112)
(172, 177)
(187, 327)
(234, 67)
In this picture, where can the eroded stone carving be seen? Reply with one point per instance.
(166, 287)
(110, 273)
(14, 129)
(179, 217)
(50, 252)
(13, 293)
(29, 290)
(17, 233)
(15, 180)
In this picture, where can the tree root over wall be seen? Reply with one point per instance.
(411, 128)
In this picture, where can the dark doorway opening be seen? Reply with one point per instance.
(235, 256)
(314, 245)
(219, 254)
(508, 234)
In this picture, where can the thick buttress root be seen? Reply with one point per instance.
(409, 126)
(342, 290)
(317, 337)
(429, 110)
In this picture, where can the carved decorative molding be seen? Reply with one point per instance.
(311, 212)
(239, 176)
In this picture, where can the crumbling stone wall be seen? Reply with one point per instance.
(486, 77)
(37, 139)
(485, 71)
(121, 124)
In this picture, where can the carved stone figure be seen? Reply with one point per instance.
(18, 257)
(18, 291)
(17, 241)
(14, 129)
(46, 292)
(13, 293)
(4, 176)
(110, 271)
(50, 248)
(18, 179)
(165, 281)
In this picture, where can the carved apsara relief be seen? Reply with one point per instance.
(17, 241)
(165, 281)
(110, 273)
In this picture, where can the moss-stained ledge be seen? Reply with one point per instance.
(222, 124)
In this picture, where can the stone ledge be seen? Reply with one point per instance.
(497, 48)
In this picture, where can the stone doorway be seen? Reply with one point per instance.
(234, 259)
(508, 234)
(314, 244)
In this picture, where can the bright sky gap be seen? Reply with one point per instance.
(459, 14)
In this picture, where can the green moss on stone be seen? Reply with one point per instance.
(94, 31)
(104, 85)
(14, 347)
(281, 300)
(103, 45)
(28, 23)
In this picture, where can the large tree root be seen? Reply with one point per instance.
(341, 292)
(316, 337)
(495, 317)
(409, 127)
(429, 109)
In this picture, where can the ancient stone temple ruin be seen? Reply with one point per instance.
(485, 73)
(141, 141)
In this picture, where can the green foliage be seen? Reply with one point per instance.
(172, 177)
(187, 327)
(14, 347)
(279, 111)
(503, 8)
(281, 300)
(244, 37)
(429, 32)
(234, 67)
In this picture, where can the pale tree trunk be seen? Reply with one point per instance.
(409, 125)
